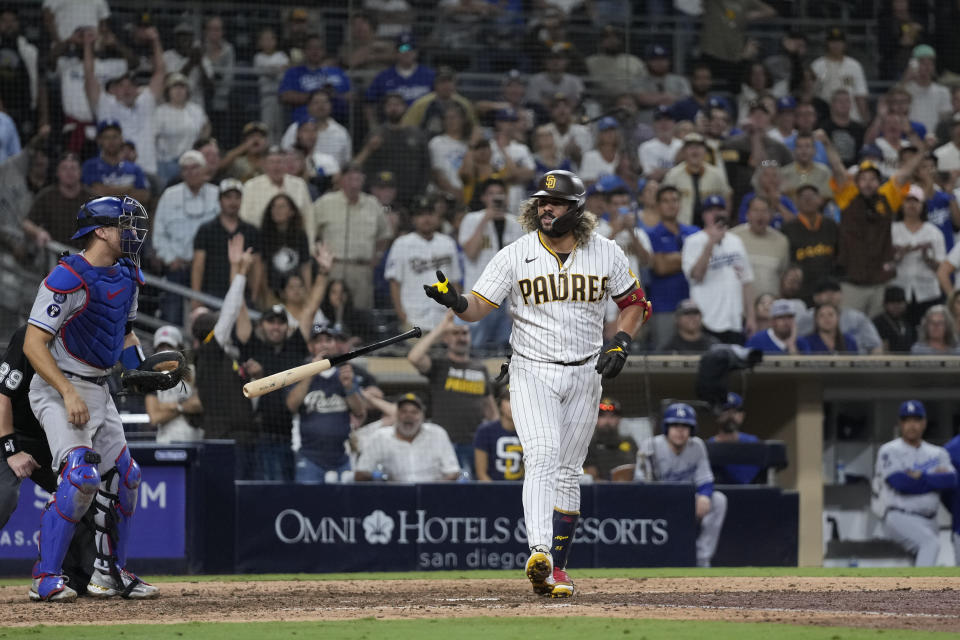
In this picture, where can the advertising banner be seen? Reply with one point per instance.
(159, 526)
(383, 527)
(323, 528)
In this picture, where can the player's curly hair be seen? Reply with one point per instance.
(530, 221)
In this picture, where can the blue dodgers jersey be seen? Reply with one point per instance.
(666, 292)
(123, 174)
(939, 215)
(417, 85)
(761, 340)
(309, 80)
(741, 473)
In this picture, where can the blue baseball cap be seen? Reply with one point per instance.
(913, 409)
(733, 401)
(714, 202)
(103, 125)
(506, 115)
(406, 42)
(870, 151)
(606, 123)
(609, 182)
(663, 112)
(657, 51)
(786, 103)
(680, 413)
(718, 102)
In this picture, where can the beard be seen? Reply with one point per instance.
(728, 426)
(608, 437)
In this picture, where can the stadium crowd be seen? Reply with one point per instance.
(765, 198)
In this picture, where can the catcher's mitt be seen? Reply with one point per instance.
(162, 370)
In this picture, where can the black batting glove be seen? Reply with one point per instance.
(614, 355)
(445, 294)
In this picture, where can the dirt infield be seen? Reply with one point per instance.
(884, 603)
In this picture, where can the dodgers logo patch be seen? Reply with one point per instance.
(60, 297)
(53, 310)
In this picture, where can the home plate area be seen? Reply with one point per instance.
(929, 603)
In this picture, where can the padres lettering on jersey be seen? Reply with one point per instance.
(468, 381)
(558, 306)
(818, 250)
(576, 287)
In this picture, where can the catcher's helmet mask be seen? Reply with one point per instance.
(126, 213)
(565, 186)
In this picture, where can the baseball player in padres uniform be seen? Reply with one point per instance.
(909, 477)
(79, 328)
(557, 278)
(678, 455)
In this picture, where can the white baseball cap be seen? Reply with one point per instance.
(916, 191)
(168, 335)
(192, 157)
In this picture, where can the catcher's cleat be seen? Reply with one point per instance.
(51, 588)
(562, 584)
(539, 570)
(104, 585)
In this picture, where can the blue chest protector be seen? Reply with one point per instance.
(95, 334)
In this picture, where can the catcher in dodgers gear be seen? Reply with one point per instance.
(79, 327)
(909, 476)
(558, 278)
(678, 455)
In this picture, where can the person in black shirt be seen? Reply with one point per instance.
(897, 333)
(227, 413)
(284, 243)
(273, 348)
(211, 266)
(26, 452)
(689, 336)
(845, 133)
(461, 395)
(608, 449)
(814, 239)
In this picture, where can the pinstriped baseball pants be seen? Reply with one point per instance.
(555, 411)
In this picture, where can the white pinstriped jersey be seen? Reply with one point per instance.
(558, 309)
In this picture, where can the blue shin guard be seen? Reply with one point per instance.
(79, 479)
(564, 528)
